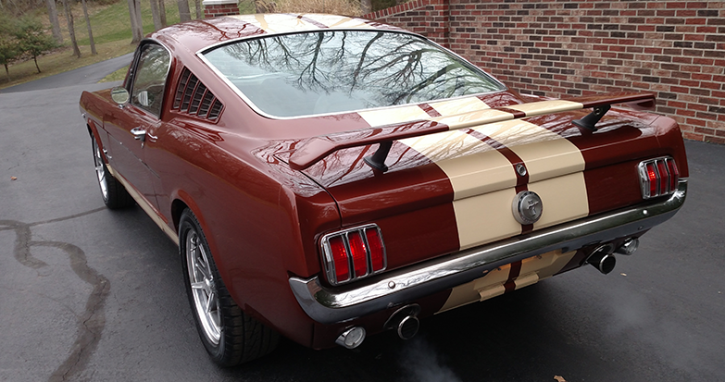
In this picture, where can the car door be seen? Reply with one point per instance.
(134, 125)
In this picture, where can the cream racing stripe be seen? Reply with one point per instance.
(478, 173)
(458, 106)
(482, 182)
(437, 147)
(473, 119)
(483, 179)
(546, 107)
(547, 264)
(481, 170)
(548, 155)
(339, 22)
(554, 165)
(564, 198)
(491, 285)
(277, 23)
(145, 205)
(485, 218)
(395, 115)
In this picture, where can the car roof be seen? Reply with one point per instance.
(200, 34)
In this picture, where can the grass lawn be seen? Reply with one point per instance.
(111, 27)
(111, 32)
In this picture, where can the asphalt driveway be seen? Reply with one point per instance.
(90, 294)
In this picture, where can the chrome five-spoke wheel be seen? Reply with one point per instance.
(114, 194)
(201, 280)
(229, 335)
(100, 169)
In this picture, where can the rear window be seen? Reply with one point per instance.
(324, 72)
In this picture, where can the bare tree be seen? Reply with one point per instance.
(134, 13)
(162, 13)
(71, 30)
(263, 6)
(366, 6)
(197, 4)
(184, 11)
(139, 21)
(155, 14)
(90, 31)
(53, 16)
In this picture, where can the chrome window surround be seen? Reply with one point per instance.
(200, 55)
(331, 305)
(329, 261)
(130, 79)
(644, 181)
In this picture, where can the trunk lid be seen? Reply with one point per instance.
(454, 189)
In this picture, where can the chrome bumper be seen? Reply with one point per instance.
(328, 305)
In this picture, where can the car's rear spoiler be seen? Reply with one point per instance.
(312, 150)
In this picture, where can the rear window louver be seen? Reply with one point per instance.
(193, 97)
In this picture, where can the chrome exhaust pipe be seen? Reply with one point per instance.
(629, 247)
(351, 338)
(405, 321)
(408, 327)
(602, 259)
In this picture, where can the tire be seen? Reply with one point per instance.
(229, 335)
(114, 194)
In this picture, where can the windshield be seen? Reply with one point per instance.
(324, 72)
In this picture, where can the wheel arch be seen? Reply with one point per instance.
(182, 201)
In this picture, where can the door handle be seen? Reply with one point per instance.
(138, 134)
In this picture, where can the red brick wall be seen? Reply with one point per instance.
(217, 10)
(426, 17)
(570, 48)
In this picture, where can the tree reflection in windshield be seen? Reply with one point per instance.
(336, 71)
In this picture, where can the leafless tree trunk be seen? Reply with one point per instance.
(263, 6)
(162, 13)
(155, 14)
(71, 30)
(136, 26)
(53, 16)
(184, 11)
(90, 31)
(139, 21)
(366, 6)
(199, 15)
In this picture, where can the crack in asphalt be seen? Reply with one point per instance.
(93, 319)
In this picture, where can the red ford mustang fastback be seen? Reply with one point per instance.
(328, 178)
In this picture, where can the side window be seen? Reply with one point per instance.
(150, 78)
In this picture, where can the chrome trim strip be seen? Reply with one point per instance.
(327, 305)
(134, 67)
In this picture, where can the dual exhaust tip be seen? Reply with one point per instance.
(404, 321)
(603, 258)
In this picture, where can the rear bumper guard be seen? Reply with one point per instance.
(330, 305)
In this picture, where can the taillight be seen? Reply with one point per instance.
(353, 254)
(377, 251)
(359, 253)
(658, 177)
(341, 264)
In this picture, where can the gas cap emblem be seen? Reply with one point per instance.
(527, 207)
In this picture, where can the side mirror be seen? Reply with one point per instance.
(120, 95)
